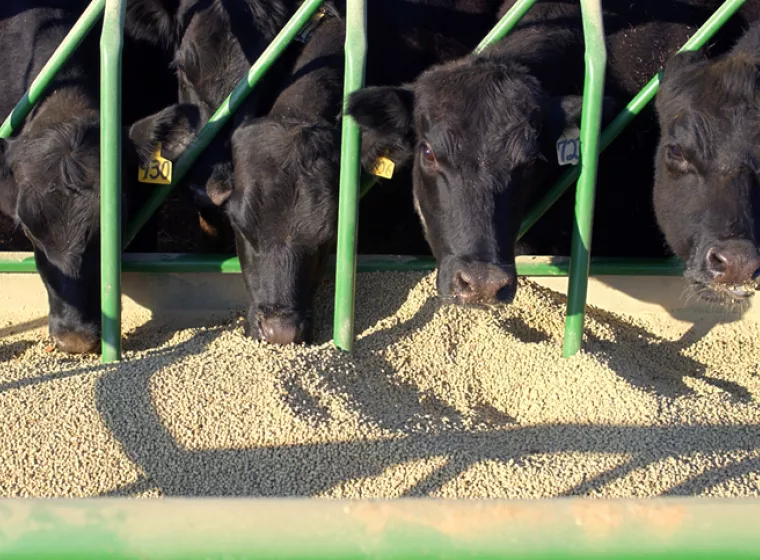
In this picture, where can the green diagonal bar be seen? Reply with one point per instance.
(506, 24)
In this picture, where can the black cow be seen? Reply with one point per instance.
(405, 38)
(282, 196)
(480, 136)
(50, 170)
(274, 177)
(707, 169)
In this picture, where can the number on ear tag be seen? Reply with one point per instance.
(569, 147)
(158, 171)
(383, 167)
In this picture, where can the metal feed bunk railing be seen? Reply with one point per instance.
(560, 529)
(578, 266)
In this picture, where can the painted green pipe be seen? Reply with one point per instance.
(506, 24)
(111, 46)
(591, 126)
(561, 529)
(350, 175)
(223, 114)
(174, 263)
(637, 104)
(71, 42)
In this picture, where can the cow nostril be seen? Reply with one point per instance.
(717, 262)
(464, 285)
(278, 330)
(76, 343)
(485, 285)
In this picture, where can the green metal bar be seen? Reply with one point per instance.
(111, 45)
(71, 42)
(637, 104)
(561, 529)
(175, 263)
(223, 114)
(350, 174)
(591, 126)
(506, 24)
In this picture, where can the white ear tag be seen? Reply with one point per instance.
(569, 147)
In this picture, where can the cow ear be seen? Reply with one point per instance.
(8, 187)
(385, 116)
(174, 128)
(562, 113)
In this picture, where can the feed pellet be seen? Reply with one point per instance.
(435, 401)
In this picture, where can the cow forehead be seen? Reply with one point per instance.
(717, 88)
(476, 96)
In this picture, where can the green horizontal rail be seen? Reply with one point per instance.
(562, 529)
(626, 116)
(223, 114)
(37, 89)
(177, 263)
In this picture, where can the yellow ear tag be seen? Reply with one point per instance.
(383, 167)
(158, 170)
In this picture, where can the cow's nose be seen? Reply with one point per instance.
(73, 342)
(756, 279)
(279, 329)
(483, 283)
(728, 266)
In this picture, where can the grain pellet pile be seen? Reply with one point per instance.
(435, 401)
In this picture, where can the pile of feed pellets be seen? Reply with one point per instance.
(436, 401)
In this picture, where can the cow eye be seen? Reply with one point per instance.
(675, 152)
(428, 154)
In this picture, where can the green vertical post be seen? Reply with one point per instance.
(111, 44)
(70, 43)
(350, 173)
(591, 125)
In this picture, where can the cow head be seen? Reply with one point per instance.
(474, 132)
(707, 183)
(50, 180)
(281, 200)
